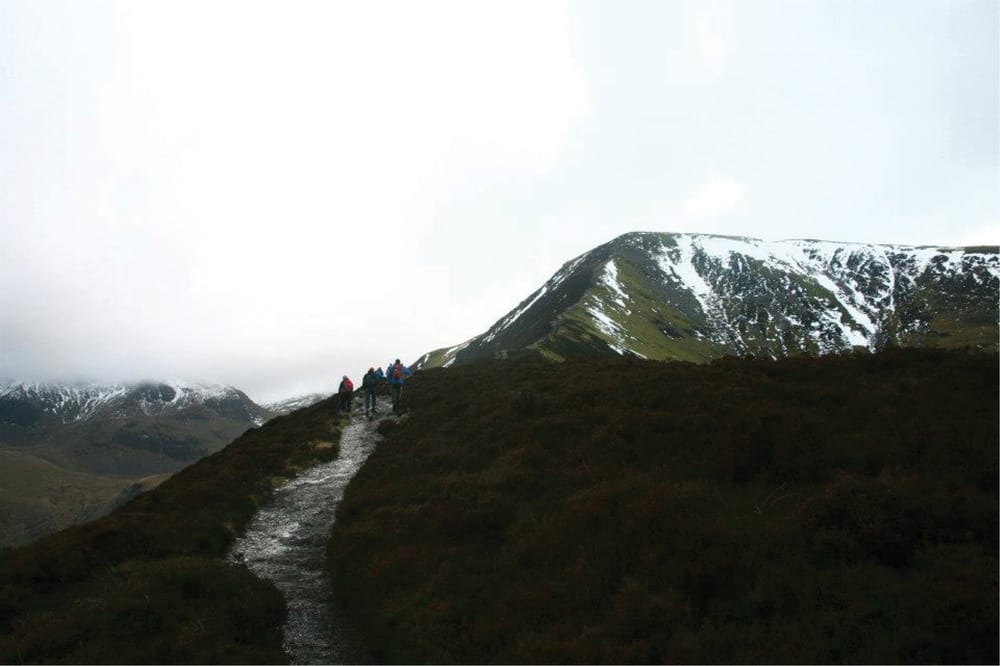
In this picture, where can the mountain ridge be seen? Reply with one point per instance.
(80, 401)
(695, 297)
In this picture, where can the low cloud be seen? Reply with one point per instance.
(715, 197)
(703, 52)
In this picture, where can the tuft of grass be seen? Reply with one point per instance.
(148, 582)
(804, 510)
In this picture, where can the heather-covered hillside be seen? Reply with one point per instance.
(807, 510)
(149, 583)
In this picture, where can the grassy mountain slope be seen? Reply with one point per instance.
(38, 498)
(695, 297)
(148, 583)
(836, 509)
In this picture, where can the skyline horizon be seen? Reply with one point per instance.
(264, 396)
(266, 194)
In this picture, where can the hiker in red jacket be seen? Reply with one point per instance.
(346, 393)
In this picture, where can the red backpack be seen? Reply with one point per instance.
(397, 371)
(348, 386)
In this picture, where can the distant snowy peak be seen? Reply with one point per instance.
(290, 405)
(697, 297)
(79, 402)
(69, 402)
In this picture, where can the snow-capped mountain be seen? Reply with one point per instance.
(27, 403)
(290, 405)
(697, 297)
(124, 429)
(78, 450)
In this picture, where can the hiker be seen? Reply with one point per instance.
(397, 375)
(369, 383)
(380, 381)
(346, 393)
(388, 378)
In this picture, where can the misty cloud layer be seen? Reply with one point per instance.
(274, 195)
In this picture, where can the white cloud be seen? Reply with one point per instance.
(702, 53)
(235, 177)
(271, 188)
(714, 197)
(987, 234)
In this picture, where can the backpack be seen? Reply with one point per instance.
(348, 386)
(397, 371)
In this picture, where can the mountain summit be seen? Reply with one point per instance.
(696, 297)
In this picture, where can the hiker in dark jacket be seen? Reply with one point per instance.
(369, 384)
(346, 393)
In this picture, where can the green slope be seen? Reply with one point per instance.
(37, 497)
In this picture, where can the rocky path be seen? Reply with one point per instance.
(286, 543)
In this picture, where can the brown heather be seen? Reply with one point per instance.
(838, 509)
(820, 510)
(149, 583)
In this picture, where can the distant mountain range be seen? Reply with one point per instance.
(697, 297)
(72, 452)
(30, 404)
(294, 404)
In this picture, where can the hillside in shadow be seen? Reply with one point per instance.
(836, 509)
(149, 583)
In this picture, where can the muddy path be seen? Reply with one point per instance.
(286, 544)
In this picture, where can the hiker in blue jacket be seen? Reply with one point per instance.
(397, 375)
(388, 378)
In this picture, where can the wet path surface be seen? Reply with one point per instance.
(286, 544)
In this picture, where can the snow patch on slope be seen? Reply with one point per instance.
(609, 277)
(684, 271)
(511, 318)
(839, 269)
(610, 328)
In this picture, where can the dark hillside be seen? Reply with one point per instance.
(148, 583)
(820, 510)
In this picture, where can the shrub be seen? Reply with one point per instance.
(804, 510)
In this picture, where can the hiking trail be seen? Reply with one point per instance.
(286, 544)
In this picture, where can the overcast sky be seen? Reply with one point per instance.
(274, 194)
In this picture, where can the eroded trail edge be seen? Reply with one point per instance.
(286, 544)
